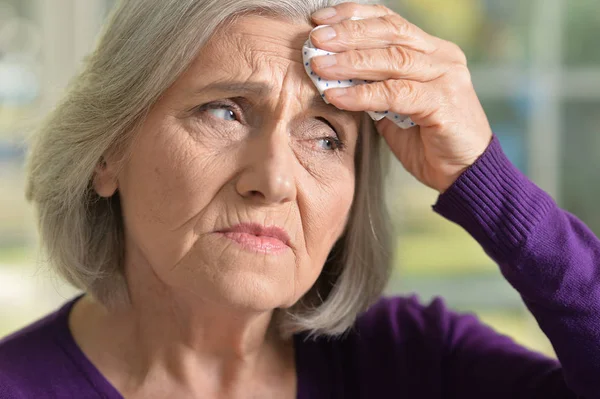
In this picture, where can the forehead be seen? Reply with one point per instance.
(255, 43)
(260, 58)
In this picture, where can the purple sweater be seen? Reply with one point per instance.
(400, 348)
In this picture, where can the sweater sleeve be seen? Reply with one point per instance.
(551, 258)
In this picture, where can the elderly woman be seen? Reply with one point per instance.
(227, 227)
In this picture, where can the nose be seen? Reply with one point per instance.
(268, 173)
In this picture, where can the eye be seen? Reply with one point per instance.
(221, 110)
(330, 143)
(223, 113)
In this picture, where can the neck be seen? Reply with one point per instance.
(162, 336)
(214, 330)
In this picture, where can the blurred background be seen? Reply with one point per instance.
(536, 68)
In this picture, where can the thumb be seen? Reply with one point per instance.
(404, 143)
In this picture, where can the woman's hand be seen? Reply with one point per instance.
(416, 74)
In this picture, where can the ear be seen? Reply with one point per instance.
(105, 181)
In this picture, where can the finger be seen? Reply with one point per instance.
(403, 97)
(380, 64)
(385, 31)
(340, 12)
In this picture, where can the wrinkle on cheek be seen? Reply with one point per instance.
(328, 173)
(323, 214)
(194, 161)
(178, 180)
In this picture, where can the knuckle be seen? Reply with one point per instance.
(400, 58)
(361, 59)
(356, 29)
(398, 91)
(389, 21)
(396, 24)
(457, 53)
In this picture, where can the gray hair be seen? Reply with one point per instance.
(144, 48)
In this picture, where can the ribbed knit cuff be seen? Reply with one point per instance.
(497, 204)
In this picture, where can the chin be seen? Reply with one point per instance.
(245, 279)
(257, 293)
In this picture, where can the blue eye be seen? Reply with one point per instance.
(223, 113)
(330, 143)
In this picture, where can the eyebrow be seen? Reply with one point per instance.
(236, 88)
(318, 101)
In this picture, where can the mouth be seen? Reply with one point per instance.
(257, 238)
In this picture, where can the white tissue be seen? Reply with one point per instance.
(309, 51)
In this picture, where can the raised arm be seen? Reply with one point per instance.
(552, 259)
(547, 255)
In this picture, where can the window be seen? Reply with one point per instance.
(41, 44)
(535, 65)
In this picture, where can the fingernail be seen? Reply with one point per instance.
(324, 34)
(341, 99)
(324, 13)
(337, 92)
(325, 61)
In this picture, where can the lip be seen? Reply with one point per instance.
(258, 238)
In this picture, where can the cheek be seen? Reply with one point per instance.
(324, 215)
(165, 187)
(324, 206)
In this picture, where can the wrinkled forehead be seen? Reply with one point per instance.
(255, 42)
(259, 58)
(253, 48)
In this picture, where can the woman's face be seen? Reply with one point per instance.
(241, 138)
